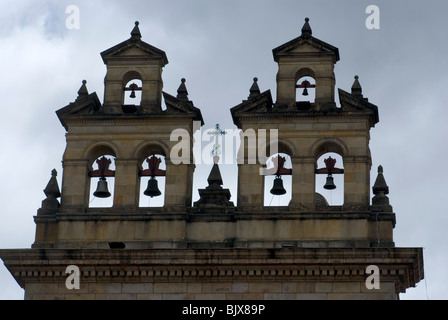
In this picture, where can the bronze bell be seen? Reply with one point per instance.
(102, 190)
(153, 189)
(133, 87)
(278, 188)
(305, 92)
(329, 185)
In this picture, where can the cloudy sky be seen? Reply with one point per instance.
(219, 46)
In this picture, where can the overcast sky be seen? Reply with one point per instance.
(219, 46)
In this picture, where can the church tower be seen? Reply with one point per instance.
(105, 235)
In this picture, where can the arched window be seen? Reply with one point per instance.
(152, 181)
(278, 180)
(132, 95)
(102, 182)
(330, 178)
(306, 92)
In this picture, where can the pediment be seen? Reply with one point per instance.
(133, 48)
(259, 104)
(302, 45)
(351, 103)
(81, 106)
(175, 106)
(308, 48)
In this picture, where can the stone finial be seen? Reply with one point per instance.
(306, 29)
(52, 188)
(215, 179)
(380, 186)
(182, 93)
(254, 89)
(381, 201)
(356, 88)
(83, 92)
(135, 33)
(52, 192)
(214, 198)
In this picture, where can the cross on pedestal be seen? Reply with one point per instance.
(216, 152)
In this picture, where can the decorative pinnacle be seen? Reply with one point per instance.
(182, 93)
(356, 88)
(52, 188)
(380, 185)
(306, 29)
(82, 92)
(135, 33)
(254, 90)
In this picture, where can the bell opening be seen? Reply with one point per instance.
(133, 92)
(278, 188)
(331, 187)
(102, 188)
(306, 89)
(152, 188)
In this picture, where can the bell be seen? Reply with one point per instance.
(101, 190)
(278, 189)
(132, 94)
(153, 189)
(305, 92)
(329, 185)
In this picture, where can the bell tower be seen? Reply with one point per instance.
(123, 149)
(306, 56)
(133, 60)
(128, 148)
(308, 129)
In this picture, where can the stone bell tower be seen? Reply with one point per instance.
(124, 148)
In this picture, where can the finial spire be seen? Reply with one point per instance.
(215, 179)
(135, 33)
(380, 185)
(182, 93)
(356, 88)
(82, 92)
(254, 90)
(306, 29)
(51, 204)
(52, 188)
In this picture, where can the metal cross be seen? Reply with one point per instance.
(216, 152)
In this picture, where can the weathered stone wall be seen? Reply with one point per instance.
(275, 290)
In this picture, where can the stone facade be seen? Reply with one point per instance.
(214, 249)
(217, 274)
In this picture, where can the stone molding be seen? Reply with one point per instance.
(404, 266)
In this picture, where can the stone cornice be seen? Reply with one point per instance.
(281, 116)
(134, 118)
(404, 266)
(109, 215)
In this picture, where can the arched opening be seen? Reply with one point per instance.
(132, 95)
(306, 91)
(152, 181)
(278, 180)
(305, 88)
(330, 179)
(102, 182)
